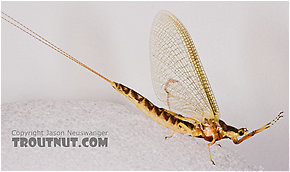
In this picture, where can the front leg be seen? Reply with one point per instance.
(251, 134)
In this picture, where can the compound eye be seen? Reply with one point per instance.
(241, 132)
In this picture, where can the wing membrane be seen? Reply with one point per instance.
(177, 73)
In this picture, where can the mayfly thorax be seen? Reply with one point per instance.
(179, 81)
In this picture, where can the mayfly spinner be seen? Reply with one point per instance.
(179, 81)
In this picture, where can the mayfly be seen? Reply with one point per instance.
(179, 81)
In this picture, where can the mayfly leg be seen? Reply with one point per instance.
(251, 134)
(209, 144)
(218, 144)
(167, 137)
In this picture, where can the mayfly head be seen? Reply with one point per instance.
(233, 133)
(242, 131)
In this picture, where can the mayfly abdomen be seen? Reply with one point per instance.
(160, 115)
(179, 81)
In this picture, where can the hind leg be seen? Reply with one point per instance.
(167, 137)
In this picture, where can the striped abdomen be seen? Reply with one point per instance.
(160, 115)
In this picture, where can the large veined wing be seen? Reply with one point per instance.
(179, 79)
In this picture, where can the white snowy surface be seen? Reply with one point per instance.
(135, 141)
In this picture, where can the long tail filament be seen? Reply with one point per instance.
(36, 36)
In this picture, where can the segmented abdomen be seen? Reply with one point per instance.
(159, 115)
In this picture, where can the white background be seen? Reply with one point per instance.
(243, 47)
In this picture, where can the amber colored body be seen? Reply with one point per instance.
(211, 129)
